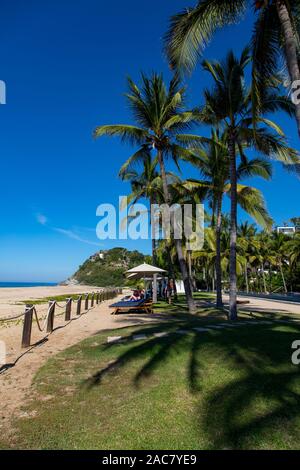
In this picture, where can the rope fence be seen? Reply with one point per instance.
(82, 304)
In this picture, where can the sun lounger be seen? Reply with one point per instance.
(143, 306)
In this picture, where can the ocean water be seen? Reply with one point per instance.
(27, 284)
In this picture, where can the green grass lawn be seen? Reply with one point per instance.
(219, 390)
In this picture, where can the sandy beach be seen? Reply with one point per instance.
(12, 299)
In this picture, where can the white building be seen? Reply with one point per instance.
(286, 230)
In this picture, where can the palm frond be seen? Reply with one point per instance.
(254, 167)
(252, 201)
(131, 134)
(191, 29)
(138, 158)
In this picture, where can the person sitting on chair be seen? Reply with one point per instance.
(135, 296)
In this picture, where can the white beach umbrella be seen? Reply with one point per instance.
(144, 270)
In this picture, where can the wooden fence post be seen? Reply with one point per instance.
(27, 326)
(79, 305)
(68, 309)
(50, 320)
(92, 299)
(97, 298)
(86, 303)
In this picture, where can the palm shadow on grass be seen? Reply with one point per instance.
(262, 399)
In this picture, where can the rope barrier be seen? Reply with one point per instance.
(47, 322)
(59, 306)
(45, 319)
(12, 318)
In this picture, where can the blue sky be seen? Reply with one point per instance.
(65, 64)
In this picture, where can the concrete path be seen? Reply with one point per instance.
(266, 305)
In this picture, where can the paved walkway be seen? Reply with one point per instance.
(266, 305)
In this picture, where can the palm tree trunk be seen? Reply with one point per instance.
(189, 262)
(154, 258)
(290, 48)
(233, 229)
(264, 277)
(178, 243)
(246, 277)
(283, 278)
(171, 271)
(154, 251)
(218, 254)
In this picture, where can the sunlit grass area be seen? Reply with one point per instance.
(222, 389)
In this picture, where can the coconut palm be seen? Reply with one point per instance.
(293, 250)
(278, 247)
(229, 105)
(159, 114)
(206, 258)
(213, 164)
(146, 183)
(246, 233)
(275, 35)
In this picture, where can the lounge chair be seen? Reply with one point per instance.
(143, 306)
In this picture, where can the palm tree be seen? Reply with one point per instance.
(145, 184)
(275, 34)
(293, 249)
(246, 233)
(206, 258)
(228, 105)
(213, 164)
(159, 113)
(278, 247)
(148, 184)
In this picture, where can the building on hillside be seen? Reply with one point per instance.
(286, 230)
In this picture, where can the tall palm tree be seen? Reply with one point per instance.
(213, 164)
(229, 105)
(146, 183)
(278, 247)
(159, 114)
(293, 249)
(206, 258)
(275, 34)
(246, 233)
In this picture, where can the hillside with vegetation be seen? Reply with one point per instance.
(107, 268)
